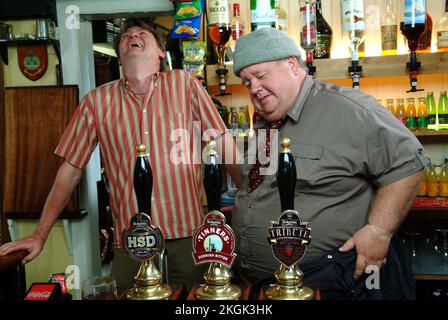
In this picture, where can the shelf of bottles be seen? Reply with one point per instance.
(379, 60)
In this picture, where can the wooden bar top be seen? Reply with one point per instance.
(12, 259)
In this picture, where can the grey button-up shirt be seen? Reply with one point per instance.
(345, 147)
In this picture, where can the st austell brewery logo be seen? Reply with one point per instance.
(142, 241)
(289, 238)
(214, 240)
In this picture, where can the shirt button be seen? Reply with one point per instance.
(144, 110)
(250, 205)
(153, 199)
(146, 132)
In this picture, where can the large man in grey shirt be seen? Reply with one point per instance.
(358, 168)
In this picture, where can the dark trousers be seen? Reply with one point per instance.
(333, 275)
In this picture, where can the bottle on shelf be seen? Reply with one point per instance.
(243, 122)
(433, 121)
(441, 30)
(308, 31)
(219, 27)
(442, 111)
(411, 114)
(422, 114)
(431, 182)
(237, 24)
(400, 112)
(262, 14)
(389, 29)
(443, 180)
(422, 188)
(424, 44)
(281, 17)
(233, 119)
(390, 106)
(324, 35)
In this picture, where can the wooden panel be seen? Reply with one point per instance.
(35, 119)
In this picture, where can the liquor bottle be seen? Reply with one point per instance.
(424, 43)
(431, 182)
(308, 31)
(233, 119)
(389, 30)
(243, 122)
(324, 35)
(401, 111)
(422, 114)
(281, 17)
(353, 24)
(219, 27)
(414, 22)
(390, 106)
(262, 14)
(441, 29)
(432, 112)
(237, 23)
(443, 181)
(411, 115)
(442, 111)
(143, 180)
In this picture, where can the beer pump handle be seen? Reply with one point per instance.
(212, 178)
(286, 176)
(143, 180)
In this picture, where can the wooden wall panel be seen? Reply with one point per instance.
(34, 121)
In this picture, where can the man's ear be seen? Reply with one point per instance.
(162, 54)
(293, 64)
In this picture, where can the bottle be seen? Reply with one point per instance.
(443, 181)
(243, 122)
(441, 30)
(262, 14)
(414, 22)
(281, 17)
(431, 182)
(390, 106)
(424, 44)
(388, 30)
(219, 27)
(442, 111)
(143, 180)
(233, 119)
(422, 188)
(432, 112)
(353, 24)
(237, 23)
(411, 115)
(422, 114)
(324, 35)
(308, 27)
(401, 112)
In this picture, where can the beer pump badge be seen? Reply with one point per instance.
(289, 238)
(142, 241)
(214, 240)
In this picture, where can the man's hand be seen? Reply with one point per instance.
(32, 244)
(371, 244)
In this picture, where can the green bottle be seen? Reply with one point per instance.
(432, 112)
(442, 110)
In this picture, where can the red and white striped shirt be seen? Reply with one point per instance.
(113, 116)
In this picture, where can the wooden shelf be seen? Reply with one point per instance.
(372, 67)
(443, 277)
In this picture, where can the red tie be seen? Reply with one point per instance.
(255, 179)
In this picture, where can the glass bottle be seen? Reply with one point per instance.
(422, 188)
(443, 181)
(422, 114)
(237, 23)
(219, 27)
(388, 30)
(281, 17)
(243, 122)
(411, 115)
(432, 112)
(390, 106)
(431, 182)
(401, 111)
(324, 35)
(441, 30)
(308, 30)
(414, 22)
(262, 14)
(442, 111)
(353, 24)
(233, 119)
(424, 44)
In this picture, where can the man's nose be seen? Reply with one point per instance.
(255, 87)
(133, 35)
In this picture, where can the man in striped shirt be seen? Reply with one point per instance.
(146, 106)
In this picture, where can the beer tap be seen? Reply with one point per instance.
(143, 181)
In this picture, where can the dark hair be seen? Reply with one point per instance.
(129, 23)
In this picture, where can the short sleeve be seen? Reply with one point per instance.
(79, 139)
(391, 151)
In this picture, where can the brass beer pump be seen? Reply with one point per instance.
(143, 241)
(214, 241)
(288, 250)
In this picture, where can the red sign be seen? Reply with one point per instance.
(33, 60)
(214, 240)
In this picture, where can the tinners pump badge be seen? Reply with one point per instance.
(289, 238)
(33, 60)
(214, 241)
(142, 241)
